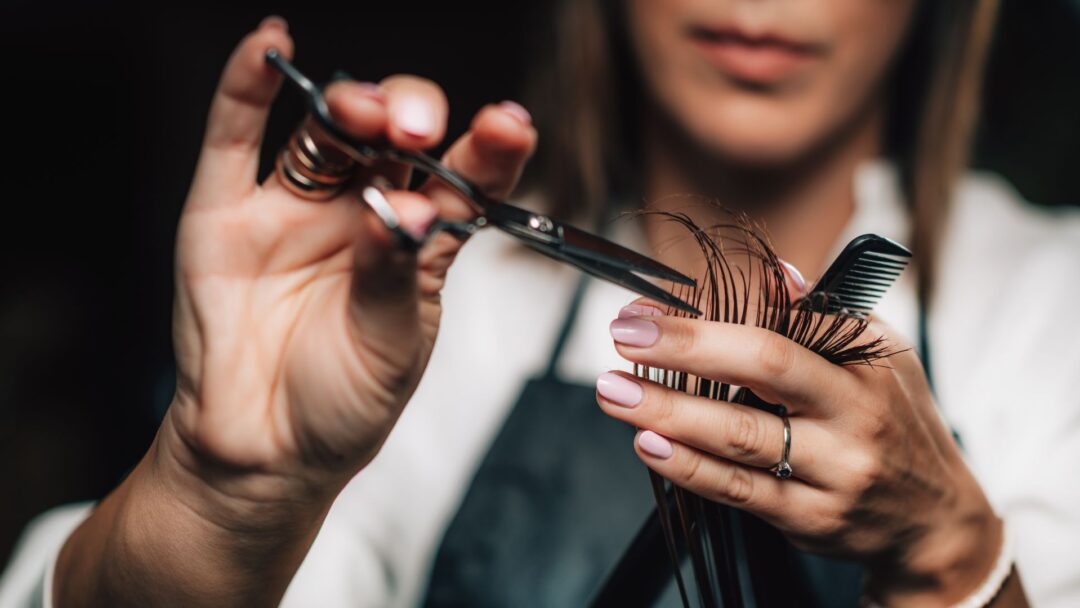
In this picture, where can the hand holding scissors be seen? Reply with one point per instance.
(306, 168)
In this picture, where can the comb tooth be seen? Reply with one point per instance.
(857, 304)
(854, 297)
(833, 310)
(861, 283)
(852, 293)
(871, 264)
(872, 290)
(875, 272)
(871, 278)
(857, 269)
(880, 263)
(871, 274)
(881, 258)
(887, 257)
(857, 301)
(860, 286)
(864, 287)
(836, 300)
(859, 291)
(864, 301)
(876, 267)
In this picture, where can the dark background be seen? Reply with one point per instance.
(103, 105)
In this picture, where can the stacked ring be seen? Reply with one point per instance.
(311, 167)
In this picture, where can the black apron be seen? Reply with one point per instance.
(557, 501)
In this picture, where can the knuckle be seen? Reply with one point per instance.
(745, 434)
(827, 523)
(739, 489)
(679, 337)
(775, 355)
(865, 473)
(664, 408)
(692, 470)
(876, 427)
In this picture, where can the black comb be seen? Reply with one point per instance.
(859, 276)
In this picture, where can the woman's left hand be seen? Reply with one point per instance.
(877, 477)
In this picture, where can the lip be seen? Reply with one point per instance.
(757, 59)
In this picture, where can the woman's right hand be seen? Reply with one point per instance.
(301, 331)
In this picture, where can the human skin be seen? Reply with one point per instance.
(300, 332)
(795, 92)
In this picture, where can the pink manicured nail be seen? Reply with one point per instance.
(634, 332)
(655, 445)
(637, 310)
(796, 282)
(516, 110)
(418, 221)
(414, 116)
(276, 21)
(619, 390)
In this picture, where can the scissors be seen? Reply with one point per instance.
(587, 252)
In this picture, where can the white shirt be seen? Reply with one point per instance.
(1006, 364)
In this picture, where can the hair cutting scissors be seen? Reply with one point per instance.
(587, 252)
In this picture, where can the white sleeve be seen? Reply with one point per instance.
(27, 580)
(1005, 341)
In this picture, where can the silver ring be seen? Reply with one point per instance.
(782, 469)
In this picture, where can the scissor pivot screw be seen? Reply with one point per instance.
(541, 223)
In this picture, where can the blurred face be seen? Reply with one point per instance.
(765, 81)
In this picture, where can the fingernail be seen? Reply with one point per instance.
(634, 332)
(655, 445)
(796, 280)
(415, 117)
(418, 221)
(637, 310)
(275, 21)
(619, 390)
(372, 90)
(517, 110)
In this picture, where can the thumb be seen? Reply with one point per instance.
(384, 303)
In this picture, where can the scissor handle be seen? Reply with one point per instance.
(365, 153)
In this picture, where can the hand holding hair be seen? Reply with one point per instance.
(859, 465)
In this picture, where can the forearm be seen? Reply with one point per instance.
(157, 541)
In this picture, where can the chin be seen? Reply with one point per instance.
(756, 132)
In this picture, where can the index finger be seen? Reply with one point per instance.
(777, 369)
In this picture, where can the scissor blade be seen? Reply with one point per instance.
(585, 245)
(618, 276)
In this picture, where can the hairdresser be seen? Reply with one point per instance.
(303, 460)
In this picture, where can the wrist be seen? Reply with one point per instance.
(946, 563)
(241, 499)
(166, 533)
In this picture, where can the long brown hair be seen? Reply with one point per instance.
(587, 91)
